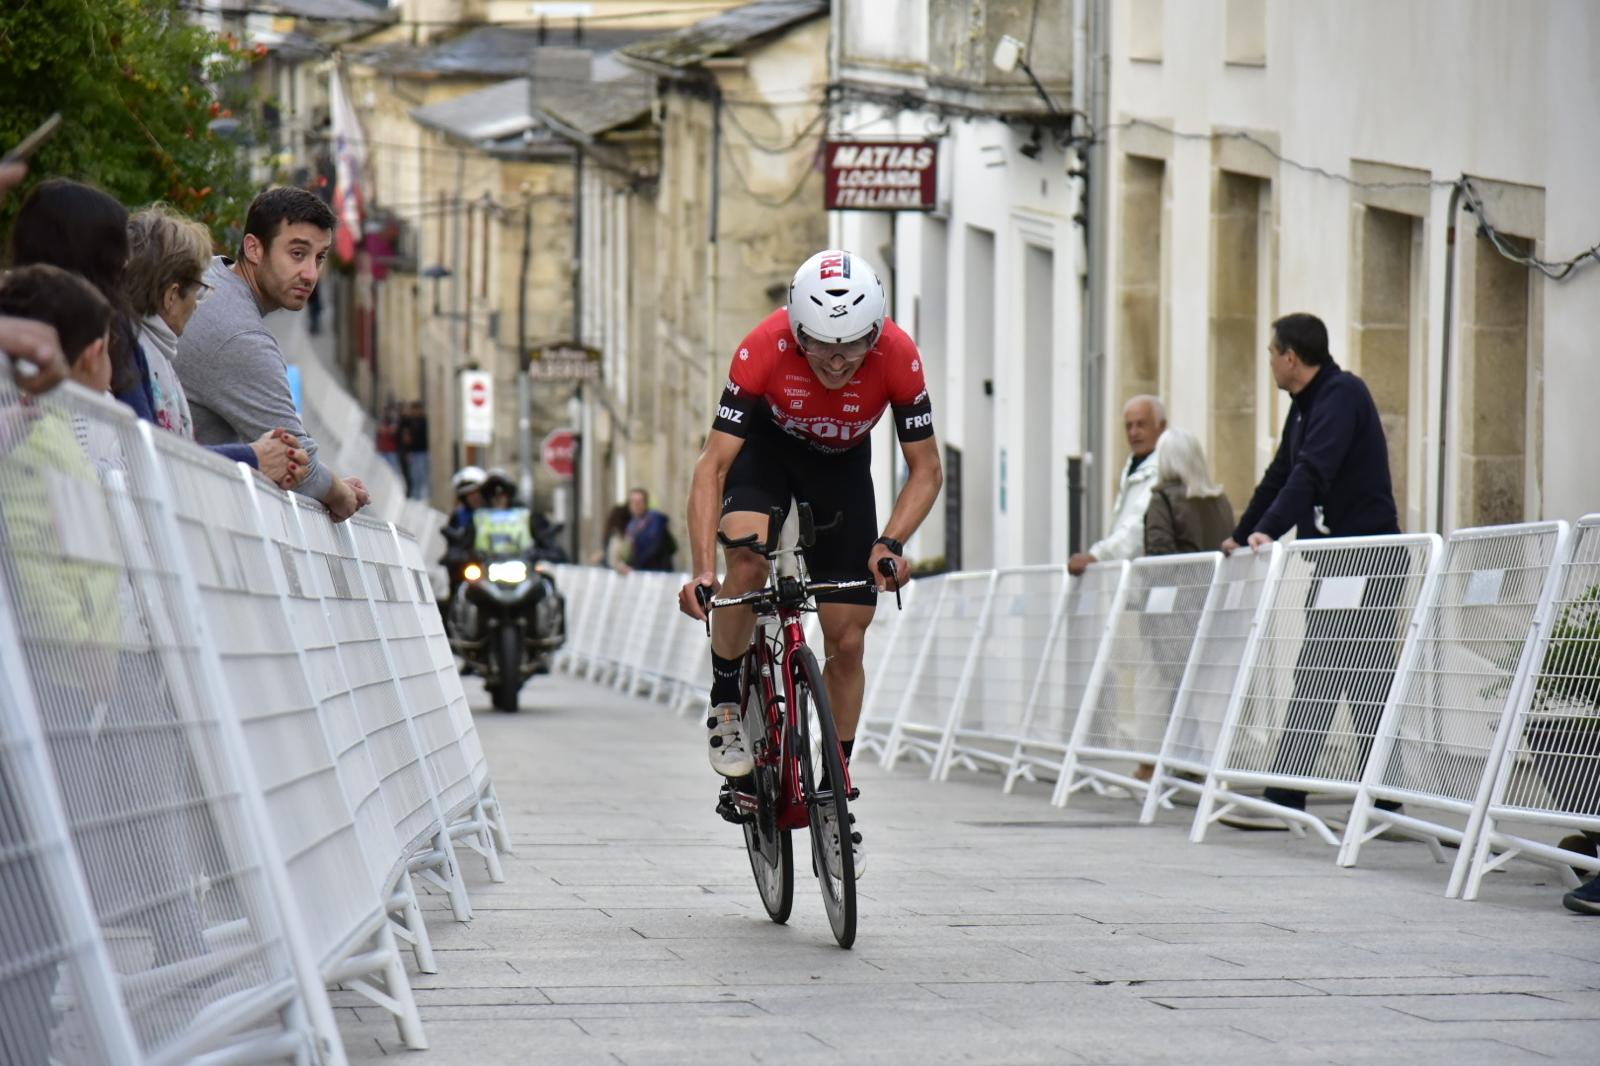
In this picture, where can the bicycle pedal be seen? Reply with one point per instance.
(853, 795)
(728, 810)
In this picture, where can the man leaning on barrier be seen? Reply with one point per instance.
(229, 362)
(1330, 478)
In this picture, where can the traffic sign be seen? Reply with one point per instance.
(477, 407)
(559, 451)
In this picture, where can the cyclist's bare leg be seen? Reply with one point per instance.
(731, 628)
(844, 636)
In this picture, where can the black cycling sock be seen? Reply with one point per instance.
(724, 680)
(825, 785)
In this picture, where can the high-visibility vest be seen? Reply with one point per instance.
(503, 532)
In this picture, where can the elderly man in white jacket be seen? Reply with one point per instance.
(1143, 419)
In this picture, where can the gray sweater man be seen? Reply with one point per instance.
(227, 359)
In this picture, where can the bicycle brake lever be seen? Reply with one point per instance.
(702, 595)
(886, 567)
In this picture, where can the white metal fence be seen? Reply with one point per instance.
(232, 738)
(1469, 671)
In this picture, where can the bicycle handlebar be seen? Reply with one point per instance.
(768, 548)
(766, 594)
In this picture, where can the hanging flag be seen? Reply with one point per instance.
(350, 158)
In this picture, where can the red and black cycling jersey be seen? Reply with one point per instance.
(771, 382)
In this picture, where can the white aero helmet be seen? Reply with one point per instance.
(836, 298)
(468, 479)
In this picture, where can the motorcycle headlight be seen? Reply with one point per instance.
(509, 572)
(472, 571)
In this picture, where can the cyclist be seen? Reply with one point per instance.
(804, 390)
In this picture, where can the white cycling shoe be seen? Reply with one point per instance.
(725, 742)
(830, 848)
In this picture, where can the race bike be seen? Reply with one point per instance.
(800, 780)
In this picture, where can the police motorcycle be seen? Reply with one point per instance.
(506, 615)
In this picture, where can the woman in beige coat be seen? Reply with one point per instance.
(1188, 512)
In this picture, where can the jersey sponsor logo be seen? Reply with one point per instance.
(919, 421)
(744, 353)
(732, 414)
(816, 432)
(783, 345)
(850, 408)
(802, 393)
(731, 387)
(797, 377)
(797, 405)
(923, 395)
(916, 365)
(835, 266)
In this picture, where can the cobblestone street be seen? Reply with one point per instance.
(994, 929)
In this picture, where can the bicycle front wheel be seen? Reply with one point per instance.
(821, 759)
(770, 848)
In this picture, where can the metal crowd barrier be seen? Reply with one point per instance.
(231, 737)
(1449, 691)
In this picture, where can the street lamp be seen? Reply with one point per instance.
(1010, 54)
(436, 272)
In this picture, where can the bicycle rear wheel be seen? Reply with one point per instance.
(770, 848)
(819, 752)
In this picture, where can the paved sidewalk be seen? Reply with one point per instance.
(994, 929)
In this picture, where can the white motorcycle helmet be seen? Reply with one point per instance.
(836, 298)
(468, 479)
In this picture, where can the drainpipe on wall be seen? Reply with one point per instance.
(580, 453)
(1441, 522)
(1091, 33)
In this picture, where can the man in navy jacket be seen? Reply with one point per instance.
(1329, 478)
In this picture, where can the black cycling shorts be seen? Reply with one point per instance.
(770, 469)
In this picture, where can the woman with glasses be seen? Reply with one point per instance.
(163, 282)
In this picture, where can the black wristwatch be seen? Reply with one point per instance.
(893, 545)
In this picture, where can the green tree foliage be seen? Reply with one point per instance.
(136, 84)
(1571, 673)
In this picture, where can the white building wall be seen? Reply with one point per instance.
(1015, 443)
(1507, 93)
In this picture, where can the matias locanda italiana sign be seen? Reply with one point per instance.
(881, 175)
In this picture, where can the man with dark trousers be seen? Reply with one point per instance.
(1330, 478)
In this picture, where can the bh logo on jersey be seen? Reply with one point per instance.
(836, 266)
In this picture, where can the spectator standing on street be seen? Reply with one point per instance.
(414, 444)
(615, 546)
(1330, 478)
(40, 365)
(1143, 420)
(167, 260)
(1188, 511)
(388, 438)
(229, 362)
(79, 228)
(650, 545)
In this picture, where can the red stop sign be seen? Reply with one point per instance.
(558, 451)
(478, 394)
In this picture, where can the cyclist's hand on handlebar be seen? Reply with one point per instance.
(888, 569)
(692, 598)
